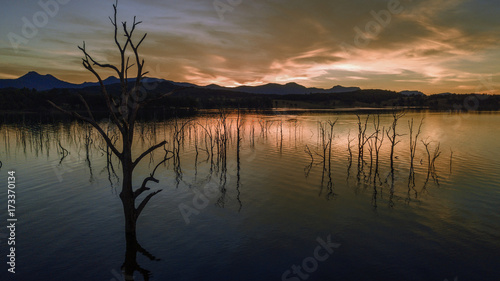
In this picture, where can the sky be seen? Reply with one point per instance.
(427, 45)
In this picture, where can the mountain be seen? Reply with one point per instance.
(287, 89)
(34, 80)
(340, 89)
(272, 88)
(47, 82)
(215, 87)
(412, 93)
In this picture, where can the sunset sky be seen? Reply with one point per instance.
(428, 45)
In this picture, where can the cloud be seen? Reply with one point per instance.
(429, 45)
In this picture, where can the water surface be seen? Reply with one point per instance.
(267, 208)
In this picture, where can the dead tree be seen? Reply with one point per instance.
(307, 169)
(413, 141)
(363, 139)
(431, 159)
(123, 109)
(370, 150)
(392, 135)
(378, 140)
(238, 167)
(327, 136)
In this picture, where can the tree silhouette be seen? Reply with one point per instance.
(123, 108)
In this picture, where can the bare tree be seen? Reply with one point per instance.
(327, 136)
(431, 159)
(307, 168)
(362, 137)
(392, 135)
(413, 141)
(123, 109)
(238, 162)
(378, 139)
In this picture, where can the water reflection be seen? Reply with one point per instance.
(130, 265)
(209, 142)
(212, 148)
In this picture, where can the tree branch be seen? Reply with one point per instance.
(144, 187)
(106, 65)
(91, 122)
(145, 202)
(151, 149)
(110, 102)
(87, 107)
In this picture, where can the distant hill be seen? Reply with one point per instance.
(412, 93)
(34, 80)
(291, 89)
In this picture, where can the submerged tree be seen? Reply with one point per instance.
(413, 140)
(123, 108)
(392, 135)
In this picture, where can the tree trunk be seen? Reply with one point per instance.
(127, 193)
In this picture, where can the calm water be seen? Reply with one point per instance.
(267, 211)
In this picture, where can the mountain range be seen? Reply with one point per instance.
(34, 80)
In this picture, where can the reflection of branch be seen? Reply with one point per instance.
(451, 159)
(88, 142)
(424, 188)
(93, 123)
(307, 168)
(64, 152)
(375, 191)
(349, 158)
(238, 144)
(331, 194)
(411, 185)
(221, 201)
(130, 264)
(391, 196)
(145, 253)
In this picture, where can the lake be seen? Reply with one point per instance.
(283, 203)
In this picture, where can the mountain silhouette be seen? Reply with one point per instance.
(34, 80)
(287, 89)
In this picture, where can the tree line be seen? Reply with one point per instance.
(193, 98)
